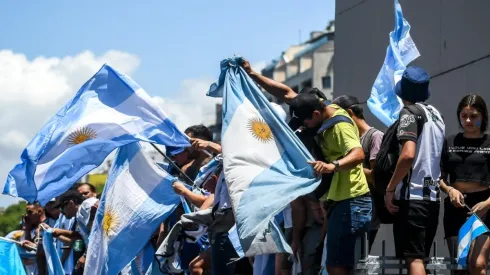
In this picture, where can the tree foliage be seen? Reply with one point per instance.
(11, 217)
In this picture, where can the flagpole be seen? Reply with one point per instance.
(467, 207)
(16, 242)
(173, 164)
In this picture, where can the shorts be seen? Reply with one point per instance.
(223, 255)
(348, 221)
(285, 262)
(415, 227)
(311, 245)
(455, 217)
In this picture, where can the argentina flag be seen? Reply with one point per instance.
(264, 162)
(470, 230)
(137, 197)
(53, 262)
(384, 103)
(10, 261)
(109, 111)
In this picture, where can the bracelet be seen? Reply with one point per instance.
(449, 190)
(390, 191)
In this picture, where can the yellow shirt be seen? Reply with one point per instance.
(336, 143)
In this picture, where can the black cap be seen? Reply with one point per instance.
(70, 195)
(312, 94)
(346, 101)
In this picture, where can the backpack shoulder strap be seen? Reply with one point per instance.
(329, 123)
(366, 144)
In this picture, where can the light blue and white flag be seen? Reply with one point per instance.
(384, 103)
(141, 263)
(10, 262)
(53, 261)
(470, 230)
(264, 162)
(109, 111)
(137, 197)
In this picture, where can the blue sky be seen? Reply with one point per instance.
(175, 41)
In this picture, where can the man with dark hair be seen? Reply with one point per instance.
(200, 132)
(349, 191)
(87, 190)
(371, 139)
(306, 211)
(413, 192)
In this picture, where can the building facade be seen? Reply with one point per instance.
(453, 38)
(307, 65)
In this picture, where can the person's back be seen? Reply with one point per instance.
(412, 194)
(422, 184)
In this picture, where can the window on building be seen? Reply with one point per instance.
(327, 82)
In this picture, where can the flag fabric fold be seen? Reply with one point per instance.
(471, 229)
(53, 261)
(10, 261)
(384, 103)
(109, 111)
(137, 197)
(264, 162)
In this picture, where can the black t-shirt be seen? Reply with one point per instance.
(466, 159)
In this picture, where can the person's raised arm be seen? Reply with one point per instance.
(277, 89)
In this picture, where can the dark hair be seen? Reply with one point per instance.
(200, 131)
(350, 102)
(477, 102)
(90, 186)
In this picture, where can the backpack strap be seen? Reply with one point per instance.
(329, 123)
(366, 145)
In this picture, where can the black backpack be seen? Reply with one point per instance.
(384, 168)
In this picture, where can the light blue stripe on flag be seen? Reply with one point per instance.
(10, 262)
(470, 230)
(109, 111)
(53, 261)
(263, 161)
(137, 197)
(384, 103)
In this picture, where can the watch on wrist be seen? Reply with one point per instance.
(337, 165)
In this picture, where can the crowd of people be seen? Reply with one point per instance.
(369, 177)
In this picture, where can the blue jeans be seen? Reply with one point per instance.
(223, 255)
(348, 221)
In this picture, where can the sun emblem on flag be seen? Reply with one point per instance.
(110, 222)
(81, 135)
(260, 130)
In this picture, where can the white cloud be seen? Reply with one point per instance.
(190, 105)
(33, 90)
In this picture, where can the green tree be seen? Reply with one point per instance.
(11, 217)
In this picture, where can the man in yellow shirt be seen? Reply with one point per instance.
(350, 216)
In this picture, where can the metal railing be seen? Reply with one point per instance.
(390, 265)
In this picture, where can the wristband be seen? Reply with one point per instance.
(390, 191)
(449, 190)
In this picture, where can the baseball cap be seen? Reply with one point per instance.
(318, 95)
(69, 195)
(172, 151)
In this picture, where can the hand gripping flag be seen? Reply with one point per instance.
(109, 111)
(264, 162)
(137, 197)
(384, 103)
